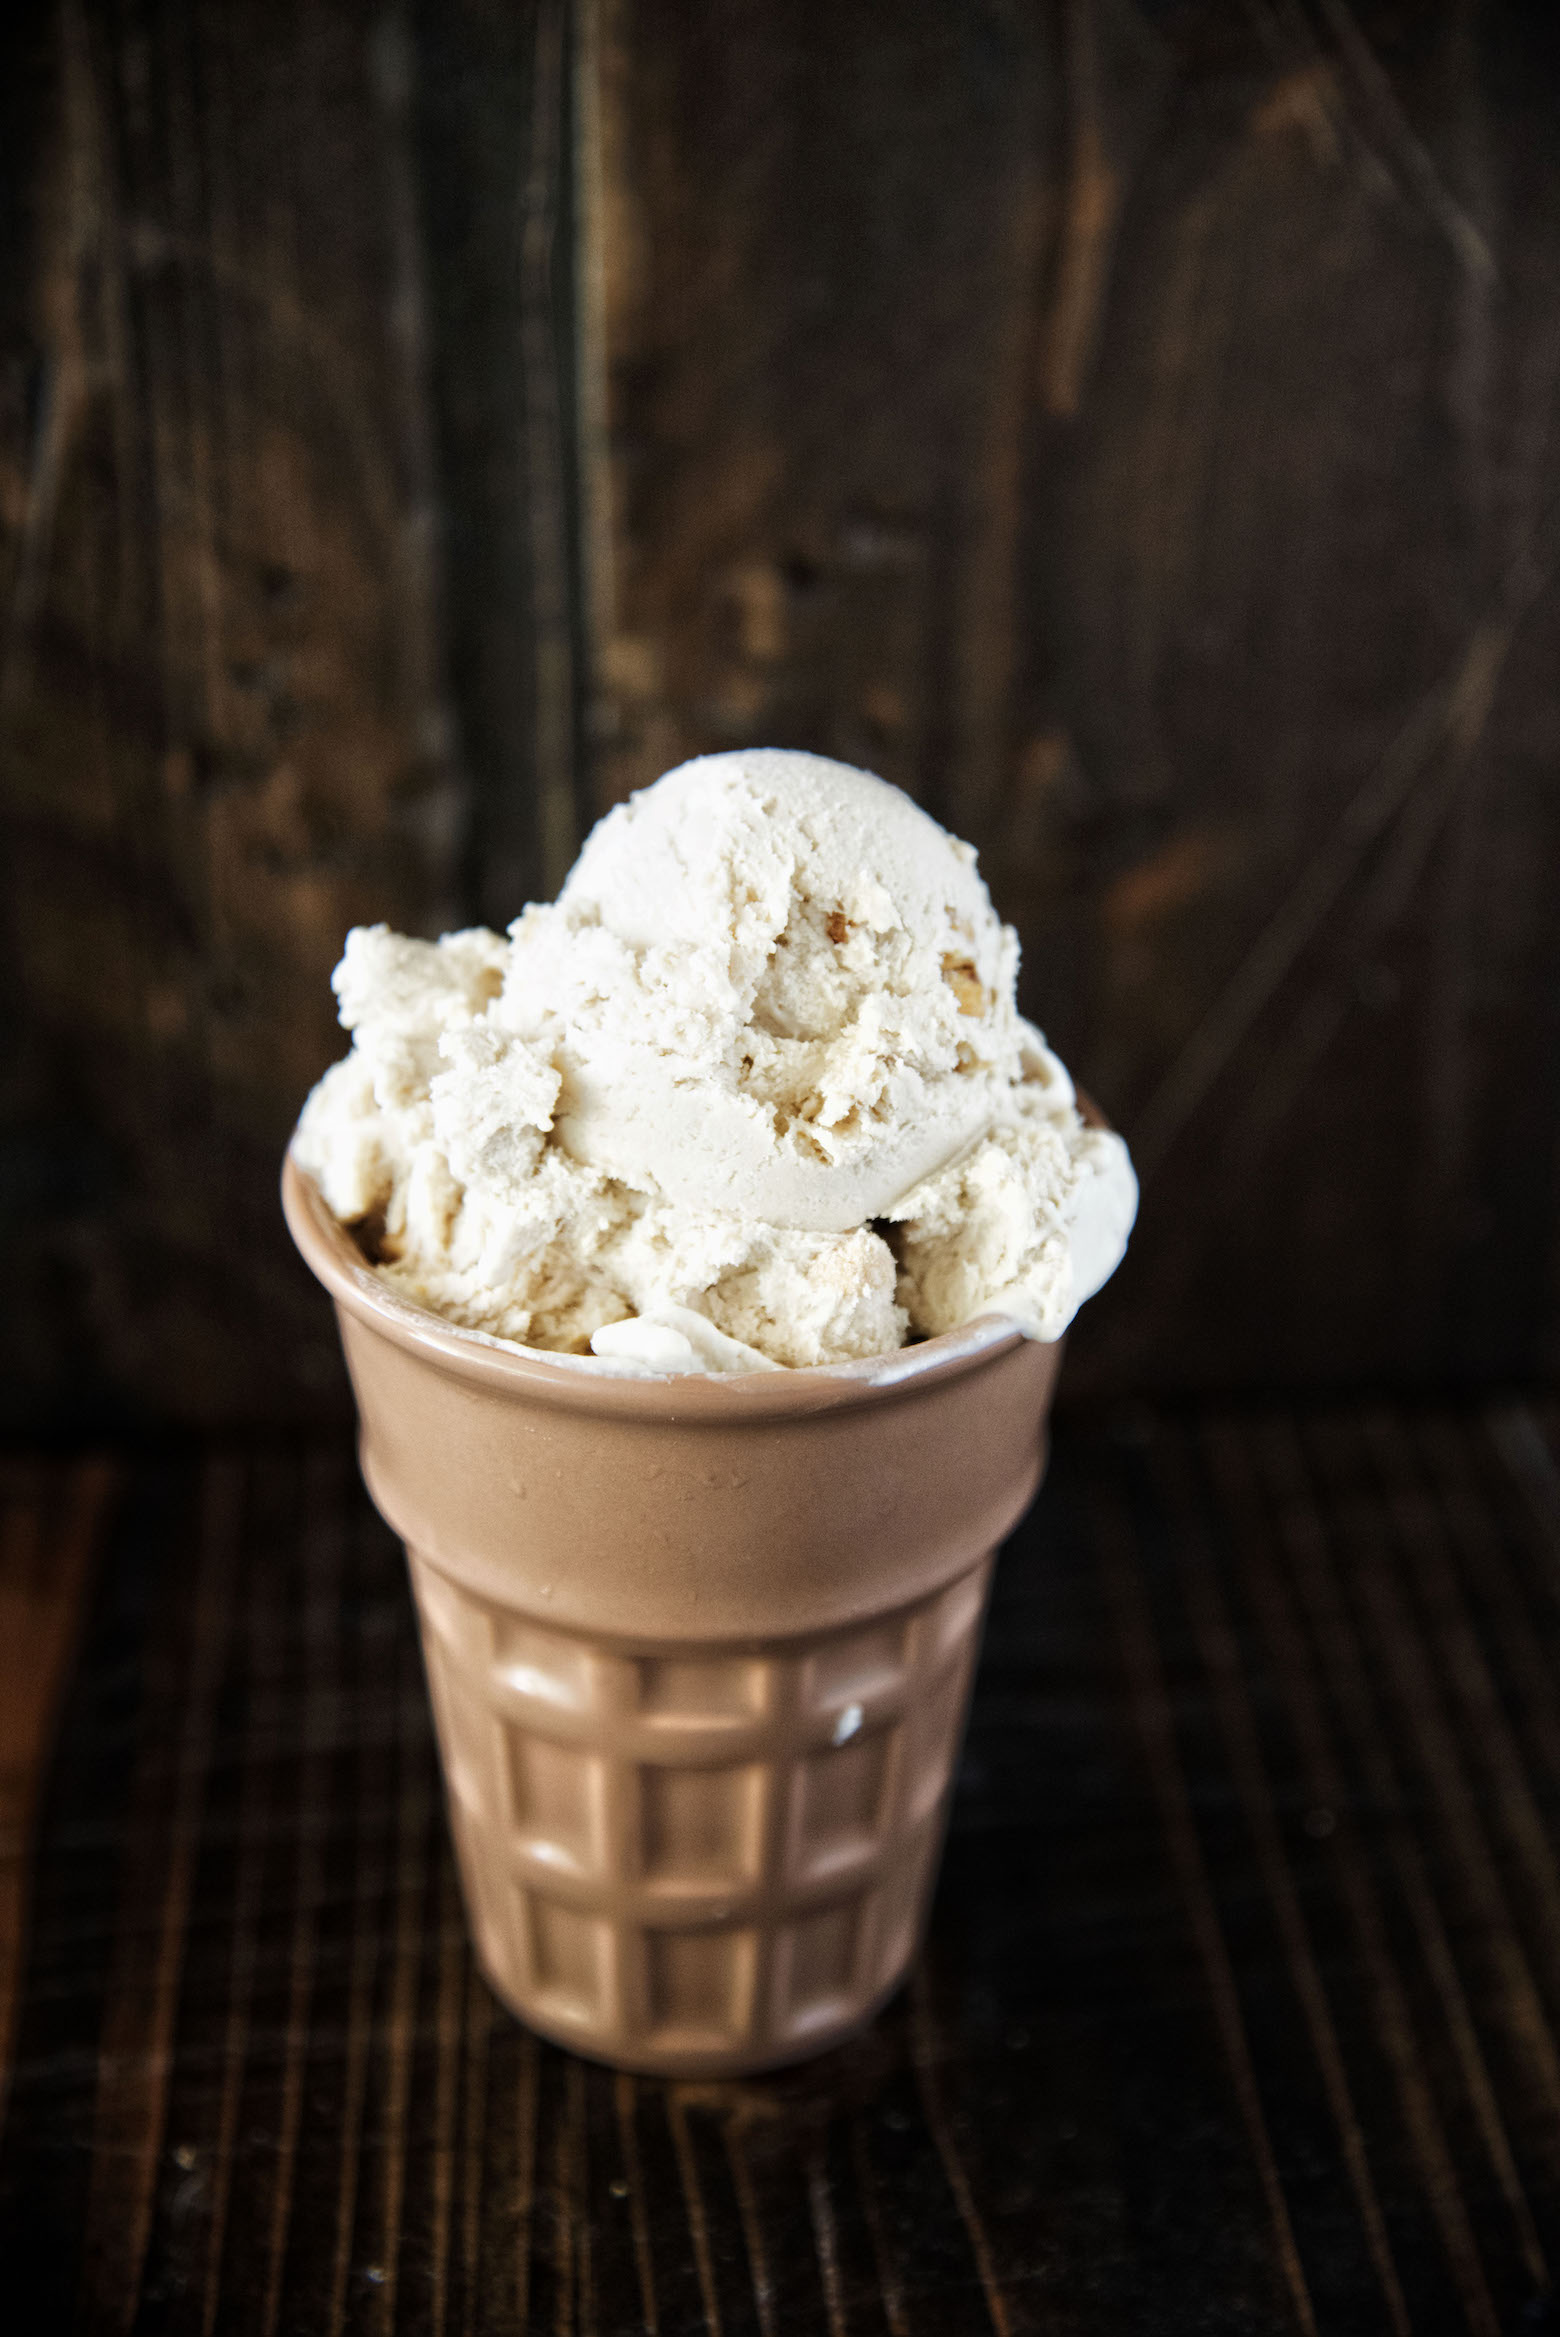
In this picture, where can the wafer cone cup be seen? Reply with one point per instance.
(699, 1653)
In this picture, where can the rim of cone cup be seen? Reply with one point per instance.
(330, 1251)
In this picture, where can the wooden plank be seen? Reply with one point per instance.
(52, 1521)
(137, 2046)
(496, 97)
(1134, 434)
(1233, 2007)
(222, 722)
(1130, 430)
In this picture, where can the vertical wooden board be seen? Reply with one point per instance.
(224, 731)
(1131, 430)
(497, 97)
(1326, 655)
(814, 223)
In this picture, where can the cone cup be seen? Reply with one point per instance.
(699, 1652)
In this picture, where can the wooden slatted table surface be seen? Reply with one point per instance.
(1240, 2012)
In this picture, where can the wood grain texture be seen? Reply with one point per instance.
(1133, 430)
(221, 714)
(1131, 427)
(498, 97)
(1237, 2010)
(51, 1527)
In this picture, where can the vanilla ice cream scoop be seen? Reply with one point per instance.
(811, 999)
(758, 1068)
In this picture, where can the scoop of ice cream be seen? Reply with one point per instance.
(1028, 1221)
(753, 1091)
(774, 986)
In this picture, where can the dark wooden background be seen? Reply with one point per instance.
(1129, 427)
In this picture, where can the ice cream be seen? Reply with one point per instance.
(752, 1093)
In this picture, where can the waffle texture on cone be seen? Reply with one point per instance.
(697, 1858)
